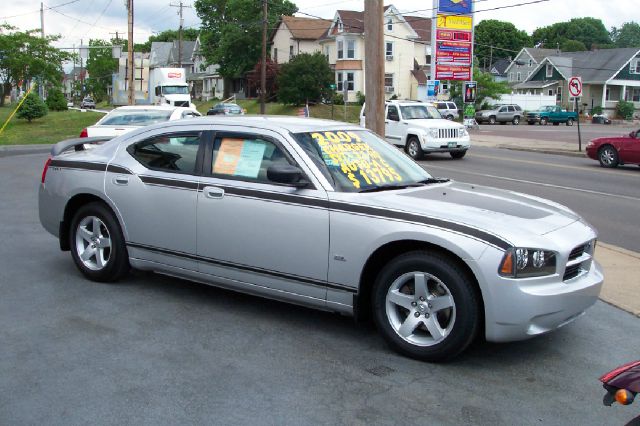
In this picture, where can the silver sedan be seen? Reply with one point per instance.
(327, 215)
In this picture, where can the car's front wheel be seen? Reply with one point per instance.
(97, 244)
(570, 122)
(543, 121)
(608, 156)
(425, 307)
(413, 148)
(492, 120)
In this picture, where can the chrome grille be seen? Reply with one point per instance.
(577, 252)
(447, 133)
(579, 261)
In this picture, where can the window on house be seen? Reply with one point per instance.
(634, 66)
(340, 27)
(519, 77)
(339, 81)
(530, 63)
(340, 49)
(388, 82)
(559, 94)
(549, 71)
(390, 24)
(351, 49)
(607, 95)
(510, 76)
(635, 95)
(291, 51)
(350, 81)
(326, 52)
(389, 48)
(550, 92)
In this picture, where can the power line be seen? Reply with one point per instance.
(38, 11)
(99, 16)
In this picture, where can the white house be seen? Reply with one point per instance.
(294, 35)
(407, 46)
(206, 82)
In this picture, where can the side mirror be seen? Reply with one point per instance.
(286, 174)
(634, 135)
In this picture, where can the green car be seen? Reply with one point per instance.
(552, 114)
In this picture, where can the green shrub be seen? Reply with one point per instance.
(625, 110)
(597, 110)
(32, 108)
(56, 100)
(338, 99)
(360, 98)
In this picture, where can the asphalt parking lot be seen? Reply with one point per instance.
(157, 350)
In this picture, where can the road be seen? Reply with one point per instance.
(559, 133)
(162, 351)
(609, 199)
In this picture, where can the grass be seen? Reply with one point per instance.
(52, 128)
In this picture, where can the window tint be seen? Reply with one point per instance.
(135, 117)
(503, 109)
(518, 108)
(452, 105)
(511, 109)
(175, 152)
(245, 157)
(392, 113)
(441, 106)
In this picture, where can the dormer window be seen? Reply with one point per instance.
(634, 66)
(390, 23)
(549, 71)
(340, 26)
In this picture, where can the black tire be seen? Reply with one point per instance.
(459, 332)
(450, 117)
(569, 122)
(543, 121)
(608, 156)
(492, 120)
(457, 154)
(531, 123)
(413, 148)
(516, 120)
(556, 123)
(115, 258)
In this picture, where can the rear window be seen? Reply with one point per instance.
(135, 117)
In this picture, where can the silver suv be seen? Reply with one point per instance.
(500, 113)
(448, 110)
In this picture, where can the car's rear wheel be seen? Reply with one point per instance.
(458, 154)
(570, 122)
(608, 156)
(413, 148)
(516, 120)
(425, 307)
(97, 244)
(492, 120)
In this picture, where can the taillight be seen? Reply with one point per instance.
(46, 167)
(84, 133)
(614, 373)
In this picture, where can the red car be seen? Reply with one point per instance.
(614, 151)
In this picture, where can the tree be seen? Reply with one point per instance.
(24, 56)
(488, 88)
(100, 66)
(505, 38)
(32, 108)
(167, 35)
(590, 31)
(573, 46)
(626, 36)
(231, 32)
(305, 78)
(56, 100)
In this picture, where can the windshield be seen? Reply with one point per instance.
(359, 161)
(175, 90)
(140, 118)
(418, 112)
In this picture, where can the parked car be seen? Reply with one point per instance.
(419, 128)
(226, 109)
(127, 118)
(614, 151)
(622, 385)
(88, 103)
(327, 215)
(448, 110)
(500, 114)
(600, 119)
(552, 114)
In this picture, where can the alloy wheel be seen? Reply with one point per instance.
(93, 243)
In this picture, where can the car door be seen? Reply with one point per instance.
(503, 114)
(630, 152)
(254, 232)
(153, 182)
(393, 132)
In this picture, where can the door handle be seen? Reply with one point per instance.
(121, 180)
(213, 192)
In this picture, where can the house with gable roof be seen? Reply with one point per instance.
(294, 35)
(525, 62)
(608, 76)
(407, 47)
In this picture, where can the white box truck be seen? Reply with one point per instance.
(168, 86)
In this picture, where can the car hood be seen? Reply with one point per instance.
(430, 123)
(503, 213)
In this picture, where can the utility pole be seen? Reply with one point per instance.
(180, 6)
(374, 65)
(130, 64)
(263, 65)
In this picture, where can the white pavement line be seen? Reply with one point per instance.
(530, 182)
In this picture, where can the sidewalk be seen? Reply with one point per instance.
(542, 146)
(621, 277)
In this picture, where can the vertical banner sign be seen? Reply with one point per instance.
(454, 40)
(470, 89)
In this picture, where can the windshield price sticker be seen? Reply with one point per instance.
(356, 159)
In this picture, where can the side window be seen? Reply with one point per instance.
(172, 152)
(452, 106)
(503, 109)
(441, 106)
(511, 109)
(245, 157)
(392, 113)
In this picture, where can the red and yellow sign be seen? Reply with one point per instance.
(455, 22)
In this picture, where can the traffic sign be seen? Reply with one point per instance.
(575, 86)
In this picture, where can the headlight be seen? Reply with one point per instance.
(527, 262)
(462, 132)
(433, 133)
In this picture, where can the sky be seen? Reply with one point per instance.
(80, 20)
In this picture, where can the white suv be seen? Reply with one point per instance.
(420, 129)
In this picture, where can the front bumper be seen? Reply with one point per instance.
(429, 144)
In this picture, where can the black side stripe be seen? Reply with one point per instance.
(172, 183)
(118, 169)
(81, 165)
(275, 196)
(244, 268)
